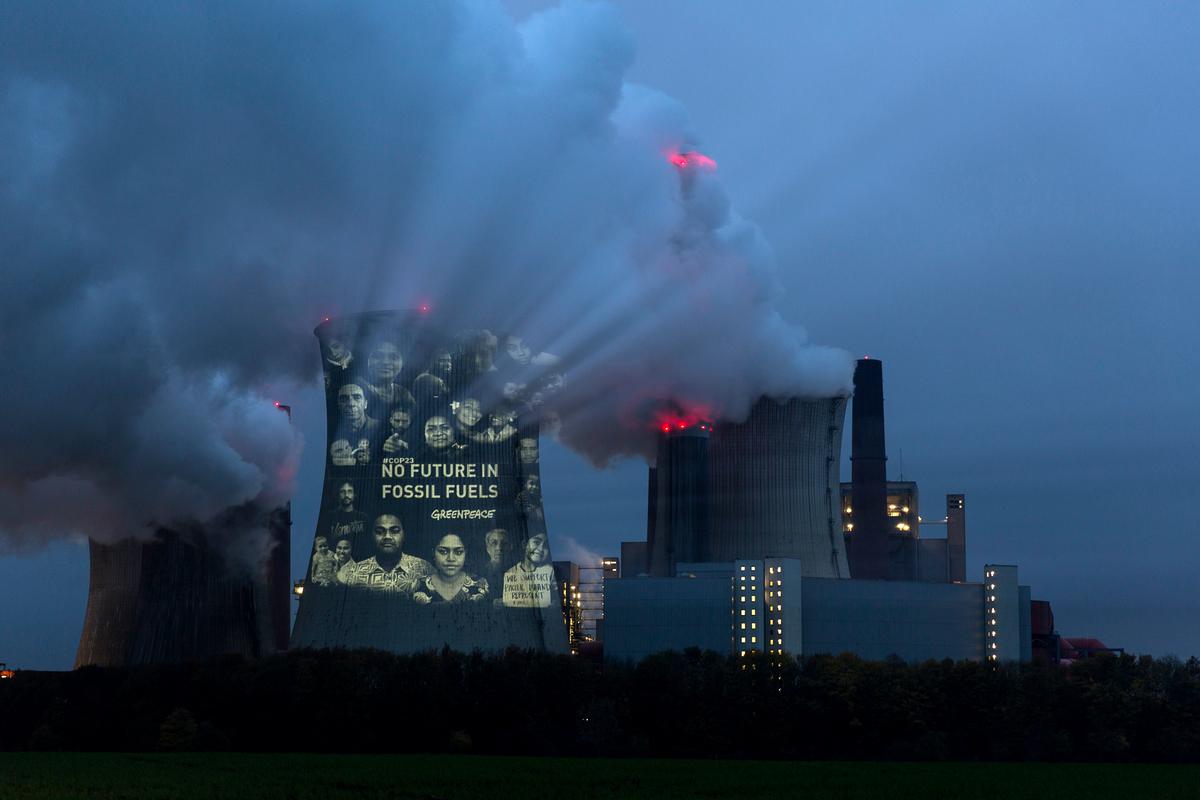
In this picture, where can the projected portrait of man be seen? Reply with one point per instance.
(352, 411)
(399, 422)
(530, 583)
(428, 390)
(495, 543)
(390, 569)
(324, 563)
(500, 427)
(527, 451)
(346, 522)
(442, 366)
(449, 582)
(384, 363)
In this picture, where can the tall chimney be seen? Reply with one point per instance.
(868, 463)
(956, 536)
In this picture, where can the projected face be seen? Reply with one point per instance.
(527, 452)
(438, 433)
(341, 453)
(533, 484)
(384, 362)
(322, 545)
(338, 351)
(536, 550)
(389, 535)
(342, 551)
(352, 403)
(399, 420)
(502, 418)
(517, 350)
(449, 555)
(483, 351)
(495, 542)
(362, 453)
(443, 363)
(346, 497)
(468, 413)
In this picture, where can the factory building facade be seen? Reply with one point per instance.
(770, 606)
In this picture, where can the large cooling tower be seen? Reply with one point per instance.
(431, 531)
(774, 486)
(181, 596)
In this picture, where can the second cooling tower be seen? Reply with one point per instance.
(773, 486)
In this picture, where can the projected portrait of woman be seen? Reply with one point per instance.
(449, 582)
(440, 441)
(384, 364)
(468, 418)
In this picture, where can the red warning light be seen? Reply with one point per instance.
(691, 159)
(666, 428)
(423, 308)
(277, 404)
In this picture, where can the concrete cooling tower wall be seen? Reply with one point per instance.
(774, 484)
(180, 597)
(431, 531)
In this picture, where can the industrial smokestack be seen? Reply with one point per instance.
(774, 485)
(681, 529)
(956, 536)
(868, 465)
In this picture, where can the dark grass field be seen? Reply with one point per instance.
(49, 776)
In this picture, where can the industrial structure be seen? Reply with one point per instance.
(181, 596)
(788, 559)
(432, 530)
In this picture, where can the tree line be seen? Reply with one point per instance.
(674, 704)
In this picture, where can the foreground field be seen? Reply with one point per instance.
(226, 776)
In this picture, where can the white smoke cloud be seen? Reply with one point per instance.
(186, 190)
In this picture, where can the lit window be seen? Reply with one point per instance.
(753, 568)
(754, 612)
(753, 640)
(753, 598)
(743, 640)
(753, 626)
(743, 626)
(743, 567)
(743, 612)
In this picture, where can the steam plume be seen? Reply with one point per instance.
(185, 190)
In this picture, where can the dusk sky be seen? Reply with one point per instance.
(999, 202)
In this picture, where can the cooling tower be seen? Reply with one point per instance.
(181, 596)
(774, 486)
(432, 531)
(680, 532)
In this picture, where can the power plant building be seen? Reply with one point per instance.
(797, 562)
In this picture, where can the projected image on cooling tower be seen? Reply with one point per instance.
(432, 530)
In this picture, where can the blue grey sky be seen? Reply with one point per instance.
(998, 201)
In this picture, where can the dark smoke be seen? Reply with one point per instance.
(186, 189)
